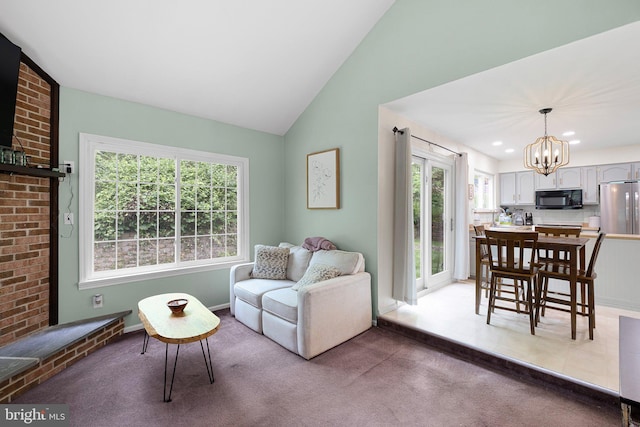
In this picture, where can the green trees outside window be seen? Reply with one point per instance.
(153, 210)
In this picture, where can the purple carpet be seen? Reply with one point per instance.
(376, 379)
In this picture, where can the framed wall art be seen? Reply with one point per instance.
(323, 179)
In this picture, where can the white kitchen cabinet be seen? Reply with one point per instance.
(517, 188)
(635, 170)
(545, 182)
(560, 179)
(589, 185)
(616, 172)
(507, 189)
(525, 188)
(569, 177)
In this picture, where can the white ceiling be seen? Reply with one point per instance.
(252, 63)
(258, 64)
(593, 86)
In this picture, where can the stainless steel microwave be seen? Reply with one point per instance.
(559, 199)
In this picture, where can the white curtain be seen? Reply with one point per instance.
(461, 220)
(404, 276)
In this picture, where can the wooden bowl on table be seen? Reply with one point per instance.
(177, 305)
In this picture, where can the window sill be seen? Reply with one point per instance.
(138, 277)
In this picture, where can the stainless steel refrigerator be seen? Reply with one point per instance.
(620, 207)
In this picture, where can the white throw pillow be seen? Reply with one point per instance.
(345, 262)
(299, 258)
(270, 262)
(316, 273)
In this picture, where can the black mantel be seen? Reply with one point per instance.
(30, 171)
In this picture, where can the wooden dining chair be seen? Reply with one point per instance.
(485, 274)
(512, 255)
(560, 301)
(549, 255)
(561, 257)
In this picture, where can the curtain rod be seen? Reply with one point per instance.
(395, 129)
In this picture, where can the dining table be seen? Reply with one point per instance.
(575, 249)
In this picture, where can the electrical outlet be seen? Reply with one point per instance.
(69, 166)
(98, 301)
(68, 218)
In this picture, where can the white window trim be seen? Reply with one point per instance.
(88, 145)
(493, 191)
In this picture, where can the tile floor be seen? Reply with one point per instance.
(449, 312)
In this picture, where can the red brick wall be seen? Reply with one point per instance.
(25, 217)
(33, 112)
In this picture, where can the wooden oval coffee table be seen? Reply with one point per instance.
(195, 323)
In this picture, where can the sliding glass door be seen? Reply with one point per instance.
(432, 220)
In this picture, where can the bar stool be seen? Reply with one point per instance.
(485, 273)
(585, 278)
(551, 256)
(508, 260)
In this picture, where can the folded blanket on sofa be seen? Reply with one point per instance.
(316, 243)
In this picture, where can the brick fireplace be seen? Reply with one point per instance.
(29, 251)
(29, 213)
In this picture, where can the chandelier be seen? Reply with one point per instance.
(546, 153)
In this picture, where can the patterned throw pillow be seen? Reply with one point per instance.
(270, 262)
(316, 273)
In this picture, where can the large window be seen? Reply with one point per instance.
(153, 210)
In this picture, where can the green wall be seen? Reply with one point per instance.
(417, 45)
(82, 112)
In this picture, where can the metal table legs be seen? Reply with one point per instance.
(207, 363)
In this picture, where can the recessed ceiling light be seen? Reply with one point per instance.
(568, 133)
(509, 150)
(496, 143)
(574, 141)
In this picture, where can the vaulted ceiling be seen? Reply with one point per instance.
(252, 63)
(258, 64)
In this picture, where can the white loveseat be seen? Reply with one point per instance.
(304, 310)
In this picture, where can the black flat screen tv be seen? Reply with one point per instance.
(9, 69)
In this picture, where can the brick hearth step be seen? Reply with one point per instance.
(32, 359)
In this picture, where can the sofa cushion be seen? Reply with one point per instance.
(251, 291)
(345, 262)
(299, 258)
(270, 262)
(316, 273)
(282, 303)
